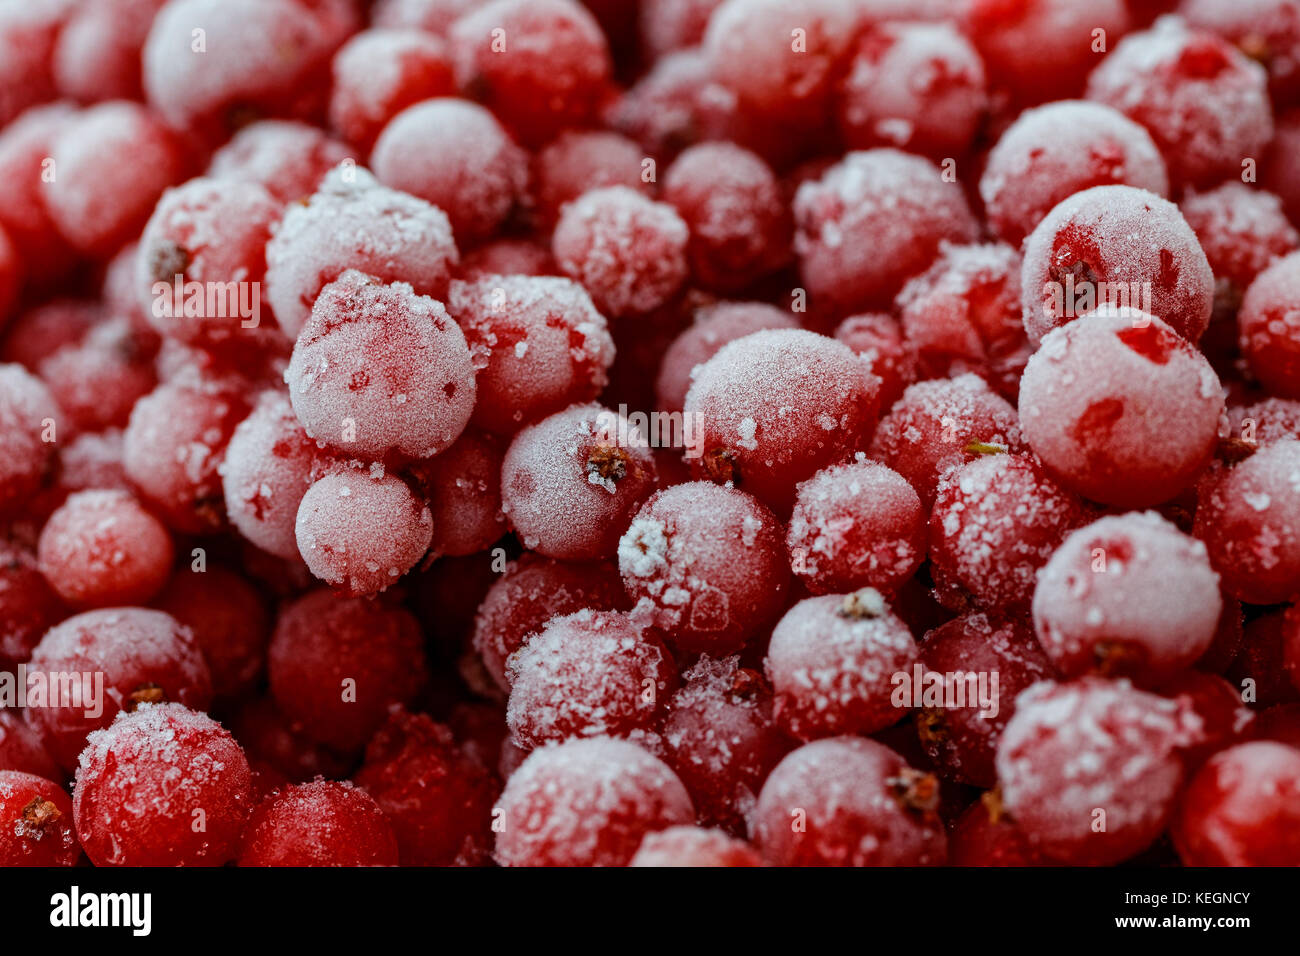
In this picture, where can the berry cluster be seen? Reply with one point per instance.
(662, 433)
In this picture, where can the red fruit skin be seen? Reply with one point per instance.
(1280, 723)
(323, 823)
(28, 605)
(97, 55)
(36, 825)
(462, 487)
(1270, 339)
(1242, 809)
(878, 338)
(860, 805)
(983, 837)
(578, 161)
(1225, 719)
(24, 148)
(142, 782)
(327, 649)
(139, 652)
(288, 159)
(692, 846)
(22, 749)
(279, 749)
(437, 797)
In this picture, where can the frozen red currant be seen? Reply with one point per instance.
(538, 345)
(705, 564)
(98, 380)
(1204, 102)
(438, 797)
(543, 66)
(432, 16)
(102, 548)
(996, 520)
(1120, 408)
(1242, 809)
(28, 424)
(777, 406)
(1090, 771)
(587, 802)
(22, 749)
(984, 836)
(628, 251)
(273, 743)
(571, 483)
(1117, 246)
(1249, 518)
(1242, 230)
(25, 146)
(849, 801)
(288, 159)
(941, 423)
(1270, 327)
(463, 489)
(336, 664)
(322, 823)
(693, 846)
(36, 825)
(588, 674)
(163, 786)
(871, 222)
(1053, 151)
(381, 371)
(97, 56)
(878, 338)
(581, 160)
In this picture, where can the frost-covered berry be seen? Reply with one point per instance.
(1089, 770)
(878, 339)
(102, 548)
(22, 749)
(777, 406)
(941, 423)
(738, 217)
(693, 846)
(381, 371)
(587, 674)
(36, 824)
(98, 380)
(97, 55)
(543, 66)
(628, 251)
(1204, 102)
(1116, 246)
(531, 592)
(587, 802)
(996, 520)
(960, 727)
(1242, 809)
(1249, 518)
(832, 661)
(27, 411)
(915, 86)
(95, 213)
(849, 801)
(336, 665)
(1120, 408)
(1269, 327)
(378, 73)
(1242, 229)
(25, 146)
(581, 160)
(454, 154)
(322, 823)
(144, 782)
(571, 482)
(856, 526)
(436, 795)
(463, 489)
(538, 346)
(1053, 151)
(144, 656)
(872, 221)
(287, 159)
(705, 564)
(1128, 595)
(985, 836)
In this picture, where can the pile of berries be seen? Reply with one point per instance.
(661, 433)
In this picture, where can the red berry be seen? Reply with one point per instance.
(322, 823)
(996, 521)
(871, 222)
(1242, 809)
(454, 154)
(1203, 102)
(28, 605)
(848, 801)
(438, 798)
(777, 406)
(543, 66)
(1249, 518)
(463, 489)
(878, 338)
(163, 786)
(287, 159)
(97, 380)
(628, 251)
(1052, 152)
(538, 345)
(274, 744)
(36, 826)
(1225, 720)
(580, 160)
(571, 483)
(380, 371)
(97, 56)
(1242, 230)
(718, 734)
(587, 802)
(1089, 754)
(692, 846)
(984, 836)
(704, 564)
(27, 414)
(588, 674)
(22, 749)
(1120, 408)
(432, 16)
(1270, 333)
(1116, 246)
(25, 146)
